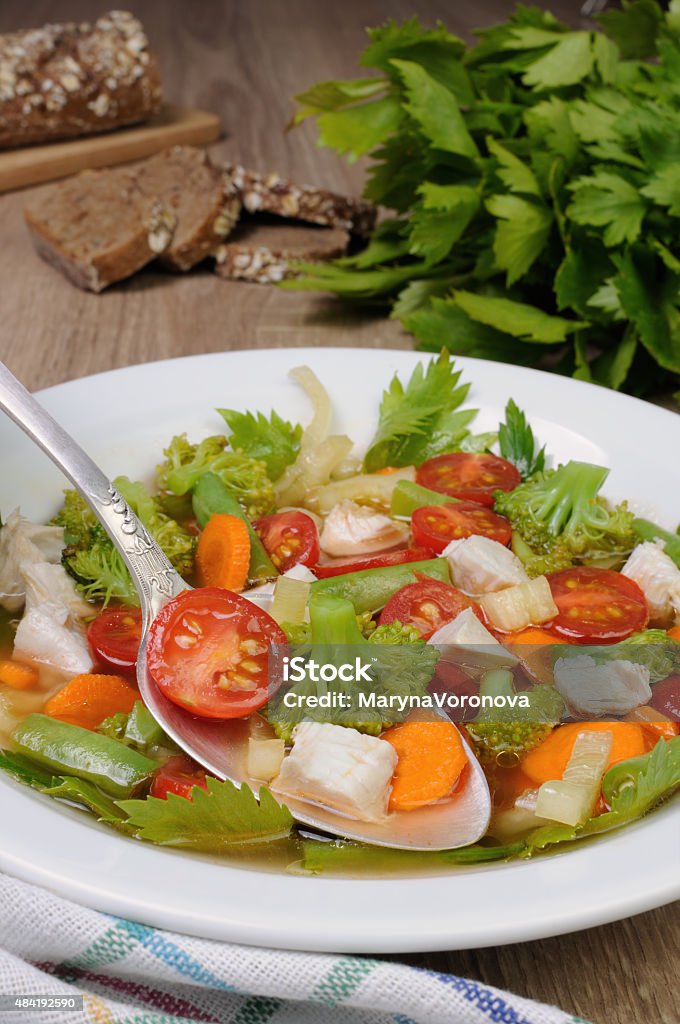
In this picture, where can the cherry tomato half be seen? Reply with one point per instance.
(596, 605)
(207, 652)
(178, 775)
(290, 538)
(666, 697)
(338, 568)
(435, 526)
(427, 605)
(114, 638)
(468, 477)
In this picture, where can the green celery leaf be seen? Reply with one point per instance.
(273, 440)
(334, 95)
(446, 213)
(321, 856)
(356, 130)
(648, 300)
(521, 234)
(212, 820)
(612, 367)
(569, 61)
(329, 277)
(516, 318)
(388, 242)
(513, 172)
(442, 323)
(664, 189)
(436, 111)
(550, 127)
(584, 270)
(411, 416)
(417, 295)
(435, 49)
(634, 28)
(608, 200)
(518, 444)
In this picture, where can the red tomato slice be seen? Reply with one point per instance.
(178, 775)
(377, 562)
(435, 526)
(596, 605)
(208, 651)
(114, 638)
(290, 538)
(427, 605)
(468, 477)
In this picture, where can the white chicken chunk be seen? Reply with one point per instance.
(351, 529)
(45, 635)
(24, 543)
(482, 566)
(466, 639)
(658, 577)
(613, 688)
(339, 768)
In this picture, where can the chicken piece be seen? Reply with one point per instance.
(339, 768)
(45, 635)
(24, 543)
(481, 566)
(466, 640)
(351, 529)
(658, 577)
(613, 688)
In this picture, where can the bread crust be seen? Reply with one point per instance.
(270, 193)
(62, 81)
(263, 253)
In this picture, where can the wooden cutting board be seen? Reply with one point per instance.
(31, 165)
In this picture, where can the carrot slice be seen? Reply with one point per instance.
(549, 760)
(18, 675)
(431, 760)
(532, 635)
(674, 633)
(223, 553)
(90, 698)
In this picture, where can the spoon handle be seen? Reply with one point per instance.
(152, 573)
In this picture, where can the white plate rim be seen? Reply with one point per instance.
(475, 907)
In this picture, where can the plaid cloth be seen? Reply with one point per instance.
(131, 974)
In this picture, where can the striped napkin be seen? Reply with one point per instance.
(120, 972)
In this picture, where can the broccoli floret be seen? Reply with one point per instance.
(562, 505)
(553, 558)
(91, 557)
(186, 463)
(177, 543)
(514, 731)
(395, 633)
(298, 633)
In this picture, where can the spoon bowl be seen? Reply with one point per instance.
(221, 747)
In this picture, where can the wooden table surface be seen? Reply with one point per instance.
(245, 61)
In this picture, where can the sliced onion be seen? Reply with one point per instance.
(265, 758)
(570, 800)
(290, 600)
(312, 468)
(526, 604)
(364, 489)
(318, 429)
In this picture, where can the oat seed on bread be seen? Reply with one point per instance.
(262, 249)
(61, 81)
(270, 193)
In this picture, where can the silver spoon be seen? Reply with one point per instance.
(222, 747)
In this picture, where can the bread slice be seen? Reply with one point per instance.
(98, 227)
(270, 193)
(203, 199)
(261, 250)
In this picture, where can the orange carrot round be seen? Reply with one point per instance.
(532, 635)
(18, 675)
(90, 698)
(223, 553)
(674, 633)
(431, 760)
(548, 761)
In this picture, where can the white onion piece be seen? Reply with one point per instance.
(318, 429)
(290, 600)
(526, 604)
(570, 800)
(265, 758)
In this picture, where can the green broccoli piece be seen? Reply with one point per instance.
(562, 506)
(297, 633)
(186, 463)
(500, 730)
(91, 557)
(395, 633)
(553, 559)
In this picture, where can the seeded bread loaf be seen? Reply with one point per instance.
(269, 193)
(98, 227)
(261, 251)
(203, 199)
(62, 81)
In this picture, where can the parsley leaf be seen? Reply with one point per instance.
(521, 235)
(517, 442)
(516, 318)
(422, 419)
(212, 820)
(273, 440)
(609, 201)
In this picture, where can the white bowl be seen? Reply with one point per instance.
(124, 418)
